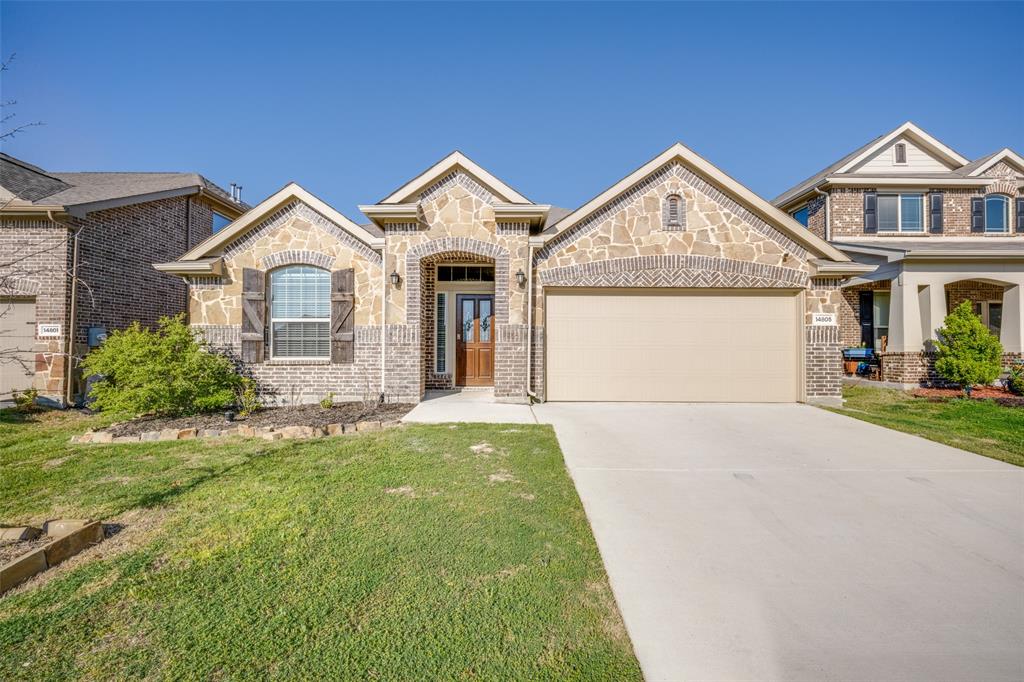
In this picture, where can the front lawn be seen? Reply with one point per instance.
(426, 552)
(981, 426)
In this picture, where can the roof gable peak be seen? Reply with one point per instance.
(454, 162)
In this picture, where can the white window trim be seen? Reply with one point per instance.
(899, 212)
(270, 332)
(1007, 217)
(906, 156)
(447, 327)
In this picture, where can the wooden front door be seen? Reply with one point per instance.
(474, 340)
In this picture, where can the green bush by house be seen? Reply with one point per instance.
(165, 371)
(968, 354)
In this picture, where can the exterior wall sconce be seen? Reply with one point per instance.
(396, 279)
(521, 278)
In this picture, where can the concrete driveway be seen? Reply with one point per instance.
(783, 542)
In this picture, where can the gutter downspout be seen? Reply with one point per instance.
(828, 213)
(72, 312)
(529, 323)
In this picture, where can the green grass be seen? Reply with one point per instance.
(980, 426)
(396, 555)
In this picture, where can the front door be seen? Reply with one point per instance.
(474, 340)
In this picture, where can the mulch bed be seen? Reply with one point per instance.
(12, 549)
(297, 415)
(997, 394)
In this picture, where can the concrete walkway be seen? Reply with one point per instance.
(783, 542)
(468, 406)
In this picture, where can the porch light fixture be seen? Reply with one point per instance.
(521, 278)
(396, 279)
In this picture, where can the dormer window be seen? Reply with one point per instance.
(899, 154)
(672, 217)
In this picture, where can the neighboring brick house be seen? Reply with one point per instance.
(120, 223)
(676, 284)
(936, 229)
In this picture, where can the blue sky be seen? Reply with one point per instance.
(558, 100)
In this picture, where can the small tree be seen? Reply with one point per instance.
(166, 371)
(968, 353)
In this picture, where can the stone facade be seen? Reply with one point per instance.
(716, 243)
(116, 250)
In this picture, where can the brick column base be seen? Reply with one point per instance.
(823, 366)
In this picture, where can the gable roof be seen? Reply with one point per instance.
(848, 162)
(976, 168)
(781, 221)
(213, 245)
(83, 192)
(449, 164)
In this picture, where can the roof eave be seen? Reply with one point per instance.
(205, 266)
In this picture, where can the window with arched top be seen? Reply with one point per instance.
(997, 213)
(673, 213)
(300, 312)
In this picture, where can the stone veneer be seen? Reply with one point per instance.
(720, 244)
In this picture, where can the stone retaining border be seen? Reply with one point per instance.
(265, 432)
(80, 535)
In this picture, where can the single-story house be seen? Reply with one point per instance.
(677, 283)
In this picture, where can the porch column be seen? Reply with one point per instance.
(1011, 333)
(933, 310)
(904, 316)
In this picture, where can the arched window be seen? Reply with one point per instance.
(672, 214)
(997, 213)
(300, 312)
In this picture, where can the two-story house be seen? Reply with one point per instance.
(75, 255)
(937, 228)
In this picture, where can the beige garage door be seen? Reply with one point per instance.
(17, 337)
(674, 345)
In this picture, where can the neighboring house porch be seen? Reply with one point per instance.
(897, 309)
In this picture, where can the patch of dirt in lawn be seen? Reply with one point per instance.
(998, 394)
(297, 415)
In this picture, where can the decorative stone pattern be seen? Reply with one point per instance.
(456, 179)
(514, 228)
(674, 271)
(294, 234)
(717, 225)
(240, 431)
(458, 247)
(666, 222)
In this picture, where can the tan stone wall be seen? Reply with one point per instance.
(716, 227)
(220, 304)
(454, 212)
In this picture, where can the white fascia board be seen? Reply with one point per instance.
(206, 266)
(535, 213)
(942, 150)
(251, 217)
(445, 166)
(905, 182)
(827, 267)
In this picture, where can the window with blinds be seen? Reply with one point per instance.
(441, 334)
(300, 312)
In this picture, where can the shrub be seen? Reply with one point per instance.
(246, 398)
(25, 401)
(327, 402)
(1015, 382)
(968, 353)
(166, 371)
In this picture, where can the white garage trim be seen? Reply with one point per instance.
(674, 345)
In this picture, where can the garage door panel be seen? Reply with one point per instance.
(647, 345)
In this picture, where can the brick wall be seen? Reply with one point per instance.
(39, 256)
(816, 215)
(823, 374)
(848, 212)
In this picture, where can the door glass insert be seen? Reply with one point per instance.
(485, 320)
(880, 305)
(468, 313)
(995, 317)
